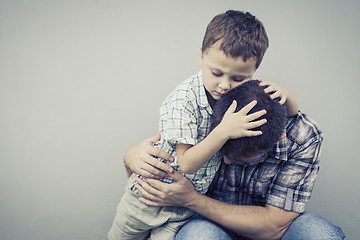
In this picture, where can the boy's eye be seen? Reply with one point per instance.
(238, 79)
(217, 74)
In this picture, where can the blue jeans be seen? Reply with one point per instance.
(307, 226)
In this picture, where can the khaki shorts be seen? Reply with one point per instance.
(136, 220)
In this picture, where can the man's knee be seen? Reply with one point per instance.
(200, 228)
(312, 226)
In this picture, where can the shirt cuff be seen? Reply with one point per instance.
(287, 203)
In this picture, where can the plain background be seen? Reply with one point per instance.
(81, 81)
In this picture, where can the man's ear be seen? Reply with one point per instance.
(282, 136)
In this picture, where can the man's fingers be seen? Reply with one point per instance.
(151, 172)
(154, 138)
(157, 168)
(148, 190)
(176, 176)
(161, 154)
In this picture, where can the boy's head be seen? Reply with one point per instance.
(233, 47)
(240, 35)
(248, 148)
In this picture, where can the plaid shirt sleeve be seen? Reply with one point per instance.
(292, 186)
(182, 119)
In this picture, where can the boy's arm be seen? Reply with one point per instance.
(233, 125)
(292, 106)
(256, 222)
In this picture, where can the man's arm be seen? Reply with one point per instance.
(251, 221)
(140, 159)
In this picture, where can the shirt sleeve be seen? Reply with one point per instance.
(179, 117)
(292, 187)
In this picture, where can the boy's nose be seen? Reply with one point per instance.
(224, 84)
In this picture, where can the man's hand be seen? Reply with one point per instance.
(157, 193)
(140, 159)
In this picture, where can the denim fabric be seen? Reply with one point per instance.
(310, 226)
(307, 226)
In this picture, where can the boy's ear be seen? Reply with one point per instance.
(201, 57)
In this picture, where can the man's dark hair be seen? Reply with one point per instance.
(241, 34)
(271, 131)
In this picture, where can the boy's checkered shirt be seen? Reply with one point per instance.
(185, 117)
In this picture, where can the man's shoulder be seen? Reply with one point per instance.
(302, 129)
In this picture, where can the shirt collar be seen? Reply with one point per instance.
(280, 149)
(201, 96)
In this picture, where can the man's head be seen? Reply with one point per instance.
(249, 148)
(233, 47)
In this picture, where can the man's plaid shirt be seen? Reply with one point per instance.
(283, 178)
(185, 117)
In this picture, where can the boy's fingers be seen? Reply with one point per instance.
(256, 115)
(282, 101)
(252, 133)
(270, 89)
(256, 124)
(245, 110)
(231, 108)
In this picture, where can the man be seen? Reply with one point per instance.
(259, 192)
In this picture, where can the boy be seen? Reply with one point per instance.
(233, 47)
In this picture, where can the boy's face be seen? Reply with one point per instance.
(222, 73)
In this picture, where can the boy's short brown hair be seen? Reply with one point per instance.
(241, 34)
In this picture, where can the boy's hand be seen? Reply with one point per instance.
(140, 159)
(275, 91)
(239, 124)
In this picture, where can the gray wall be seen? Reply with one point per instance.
(81, 81)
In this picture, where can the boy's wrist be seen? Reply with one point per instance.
(221, 133)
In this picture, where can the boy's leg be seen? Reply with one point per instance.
(134, 219)
(125, 225)
(201, 228)
(309, 226)
(178, 217)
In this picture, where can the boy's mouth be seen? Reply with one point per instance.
(218, 93)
